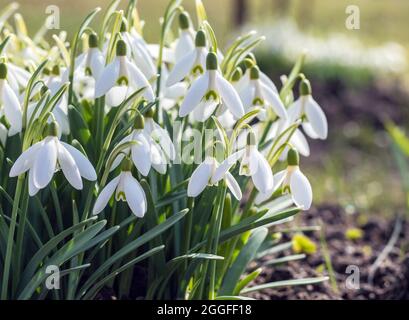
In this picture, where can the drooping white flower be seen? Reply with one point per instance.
(258, 95)
(315, 123)
(121, 78)
(209, 91)
(55, 81)
(292, 181)
(17, 77)
(245, 79)
(127, 189)
(88, 68)
(153, 147)
(254, 165)
(185, 43)
(9, 103)
(50, 154)
(192, 64)
(138, 52)
(210, 173)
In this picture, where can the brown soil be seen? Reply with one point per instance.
(391, 280)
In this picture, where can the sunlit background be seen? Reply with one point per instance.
(359, 77)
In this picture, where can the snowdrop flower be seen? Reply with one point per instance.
(185, 43)
(192, 64)
(254, 165)
(54, 82)
(246, 65)
(210, 173)
(121, 78)
(259, 95)
(293, 181)
(209, 91)
(138, 52)
(147, 152)
(9, 103)
(17, 77)
(89, 67)
(127, 189)
(305, 107)
(50, 154)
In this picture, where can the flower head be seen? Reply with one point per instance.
(44, 158)
(209, 91)
(121, 78)
(127, 189)
(292, 181)
(9, 103)
(315, 123)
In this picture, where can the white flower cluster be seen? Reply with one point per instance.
(197, 83)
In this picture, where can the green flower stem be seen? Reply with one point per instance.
(10, 239)
(99, 114)
(57, 206)
(213, 263)
(20, 237)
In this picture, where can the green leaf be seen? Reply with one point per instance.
(285, 283)
(238, 267)
(131, 247)
(246, 280)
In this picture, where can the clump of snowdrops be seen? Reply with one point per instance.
(156, 170)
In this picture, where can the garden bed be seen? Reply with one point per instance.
(391, 280)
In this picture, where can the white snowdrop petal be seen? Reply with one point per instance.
(204, 110)
(139, 81)
(69, 168)
(301, 190)
(184, 45)
(164, 141)
(300, 143)
(294, 111)
(229, 96)
(32, 189)
(45, 164)
(105, 195)
(316, 118)
(140, 153)
(107, 79)
(135, 196)
(194, 95)
(247, 97)
(233, 186)
(225, 166)
(25, 160)
(309, 130)
(11, 107)
(268, 82)
(275, 102)
(84, 165)
(182, 69)
(200, 179)
(116, 95)
(121, 156)
(263, 176)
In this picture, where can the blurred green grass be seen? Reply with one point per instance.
(380, 20)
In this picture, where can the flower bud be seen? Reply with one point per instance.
(237, 74)
(293, 158)
(93, 40)
(211, 61)
(200, 40)
(139, 122)
(121, 48)
(51, 129)
(3, 71)
(254, 73)
(184, 21)
(150, 113)
(305, 87)
(126, 164)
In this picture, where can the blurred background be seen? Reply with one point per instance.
(359, 77)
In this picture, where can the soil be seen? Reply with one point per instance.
(390, 281)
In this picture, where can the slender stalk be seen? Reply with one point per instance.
(10, 239)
